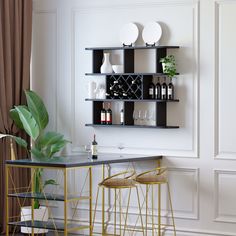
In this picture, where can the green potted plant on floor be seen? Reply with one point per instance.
(33, 119)
(169, 66)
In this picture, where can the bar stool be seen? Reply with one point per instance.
(157, 176)
(117, 183)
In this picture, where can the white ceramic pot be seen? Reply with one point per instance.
(106, 65)
(40, 214)
(163, 66)
(118, 68)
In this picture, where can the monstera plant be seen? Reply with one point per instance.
(33, 119)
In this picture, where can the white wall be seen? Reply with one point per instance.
(202, 153)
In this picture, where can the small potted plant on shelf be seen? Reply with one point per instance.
(169, 66)
(33, 119)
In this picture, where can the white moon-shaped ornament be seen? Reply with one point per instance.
(129, 34)
(152, 33)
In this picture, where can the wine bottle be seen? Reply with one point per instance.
(170, 90)
(94, 148)
(103, 114)
(158, 89)
(122, 116)
(109, 115)
(151, 91)
(130, 95)
(164, 90)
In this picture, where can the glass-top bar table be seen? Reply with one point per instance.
(63, 164)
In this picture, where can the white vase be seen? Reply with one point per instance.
(106, 65)
(40, 214)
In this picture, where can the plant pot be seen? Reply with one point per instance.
(163, 66)
(40, 214)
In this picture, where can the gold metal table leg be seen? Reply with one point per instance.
(33, 173)
(6, 198)
(147, 187)
(65, 202)
(159, 209)
(103, 202)
(90, 202)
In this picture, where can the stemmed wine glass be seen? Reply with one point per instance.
(121, 147)
(141, 117)
(135, 117)
(87, 149)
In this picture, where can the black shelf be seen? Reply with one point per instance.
(48, 196)
(131, 100)
(123, 74)
(133, 47)
(133, 126)
(59, 226)
(131, 85)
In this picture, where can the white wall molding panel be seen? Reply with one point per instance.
(225, 210)
(45, 64)
(224, 88)
(81, 63)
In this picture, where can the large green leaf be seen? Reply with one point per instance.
(57, 147)
(49, 138)
(16, 118)
(29, 123)
(50, 182)
(20, 141)
(37, 109)
(37, 153)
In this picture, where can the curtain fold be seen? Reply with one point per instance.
(15, 52)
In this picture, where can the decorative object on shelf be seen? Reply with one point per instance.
(169, 66)
(129, 34)
(100, 92)
(94, 148)
(34, 119)
(118, 68)
(152, 33)
(106, 65)
(92, 86)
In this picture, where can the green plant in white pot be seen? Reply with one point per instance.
(169, 66)
(33, 119)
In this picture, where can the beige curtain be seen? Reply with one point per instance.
(15, 51)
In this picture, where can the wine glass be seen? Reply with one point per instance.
(141, 117)
(135, 116)
(87, 149)
(121, 147)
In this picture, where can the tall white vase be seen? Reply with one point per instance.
(106, 65)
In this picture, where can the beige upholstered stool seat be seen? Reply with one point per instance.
(118, 183)
(151, 178)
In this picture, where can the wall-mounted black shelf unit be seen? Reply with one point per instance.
(125, 74)
(135, 85)
(134, 126)
(130, 100)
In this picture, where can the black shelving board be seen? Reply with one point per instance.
(46, 196)
(133, 47)
(130, 100)
(59, 226)
(118, 74)
(134, 126)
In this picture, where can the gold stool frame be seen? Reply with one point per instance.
(157, 177)
(118, 187)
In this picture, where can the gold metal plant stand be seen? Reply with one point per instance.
(21, 194)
